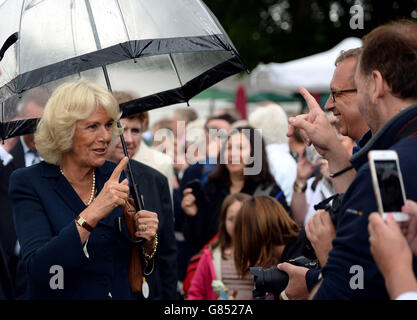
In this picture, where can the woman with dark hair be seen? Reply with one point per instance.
(242, 167)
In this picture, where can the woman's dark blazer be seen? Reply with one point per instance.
(45, 206)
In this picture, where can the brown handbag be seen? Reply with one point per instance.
(135, 264)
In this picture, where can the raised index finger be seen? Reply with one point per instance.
(118, 170)
(311, 101)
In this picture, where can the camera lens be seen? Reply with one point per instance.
(270, 280)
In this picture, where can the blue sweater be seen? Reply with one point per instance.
(351, 245)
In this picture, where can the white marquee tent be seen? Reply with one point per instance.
(313, 72)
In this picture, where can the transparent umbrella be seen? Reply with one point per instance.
(163, 51)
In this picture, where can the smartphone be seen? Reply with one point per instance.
(388, 183)
(198, 192)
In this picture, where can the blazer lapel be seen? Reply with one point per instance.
(67, 193)
(63, 188)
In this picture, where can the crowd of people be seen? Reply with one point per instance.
(220, 194)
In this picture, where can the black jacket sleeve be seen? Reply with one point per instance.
(199, 229)
(167, 257)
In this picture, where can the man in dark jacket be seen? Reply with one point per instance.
(156, 197)
(15, 153)
(387, 98)
(6, 285)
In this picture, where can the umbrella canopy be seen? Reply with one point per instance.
(162, 51)
(314, 72)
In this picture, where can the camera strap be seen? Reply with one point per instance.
(323, 204)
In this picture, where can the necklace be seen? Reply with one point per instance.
(93, 187)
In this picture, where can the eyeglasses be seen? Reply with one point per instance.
(339, 92)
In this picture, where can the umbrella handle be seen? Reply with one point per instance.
(134, 188)
(137, 197)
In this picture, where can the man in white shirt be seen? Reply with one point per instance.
(142, 153)
(157, 160)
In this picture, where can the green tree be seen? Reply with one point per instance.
(282, 30)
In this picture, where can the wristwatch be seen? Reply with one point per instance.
(83, 223)
(300, 186)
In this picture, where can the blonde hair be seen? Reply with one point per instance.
(69, 103)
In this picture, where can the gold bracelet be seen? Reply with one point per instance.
(150, 256)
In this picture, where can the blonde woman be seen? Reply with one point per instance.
(65, 206)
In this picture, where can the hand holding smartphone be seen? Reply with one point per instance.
(311, 154)
(388, 183)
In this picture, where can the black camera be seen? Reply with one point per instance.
(273, 280)
(332, 206)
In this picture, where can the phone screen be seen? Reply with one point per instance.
(389, 185)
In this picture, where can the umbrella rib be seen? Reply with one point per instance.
(97, 40)
(134, 187)
(93, 24)
(72, 4)
(125, 28)
(19, 34)
(123, 19)
(176, 70)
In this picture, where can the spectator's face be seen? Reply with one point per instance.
(230, 217)
(132, 134)
(91, 139)
(345, 107)
(363, 100)
(218, 124)
(238, 152)
(213, 140)
(178, 126)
